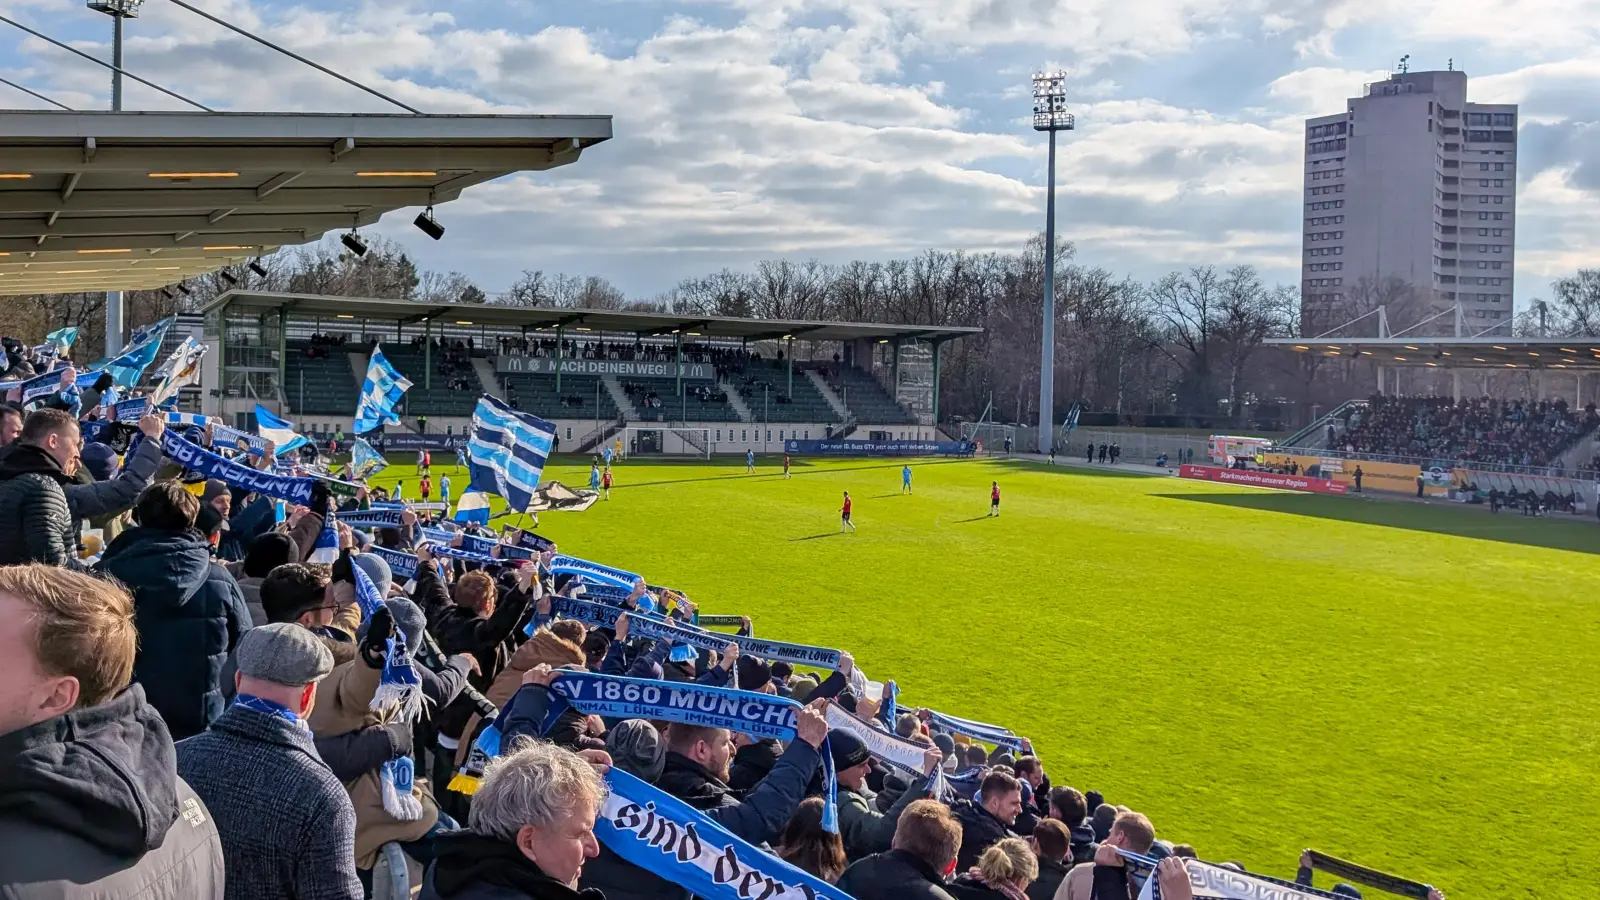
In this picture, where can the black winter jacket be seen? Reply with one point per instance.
(895, 875)
(190, 616)
(91, 806)
(467, 866)
(35, 521)
(979, 829)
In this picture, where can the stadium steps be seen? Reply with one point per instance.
(619, 397)
(484, 369)
(827, 394)
(1315, 435)
(736, 401)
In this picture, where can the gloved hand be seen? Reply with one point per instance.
(320, 497)
(343, 568)
(400, 734)
(374, 645)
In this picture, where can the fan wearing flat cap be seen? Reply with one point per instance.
(286, 823)
(865, 830)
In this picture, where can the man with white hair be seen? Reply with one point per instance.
(530, 831)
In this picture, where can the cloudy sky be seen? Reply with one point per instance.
(841, 129)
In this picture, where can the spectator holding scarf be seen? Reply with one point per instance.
(188, 608)
(866, 830)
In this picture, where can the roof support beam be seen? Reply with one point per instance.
(70, 185)
(172, 224)
(277, 181)
(205, 199)
(219, 215)
(342, 146)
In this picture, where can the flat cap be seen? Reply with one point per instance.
(284, 653)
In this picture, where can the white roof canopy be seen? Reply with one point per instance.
(105, 201)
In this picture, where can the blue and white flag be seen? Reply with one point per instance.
(989, 734)
(203, 462)
(278, 431)
(507, 452)
(380, 394)
(128, 366)
(365, 461)
(180, 370)
(665, 836)
(62, 339)
(473, 508)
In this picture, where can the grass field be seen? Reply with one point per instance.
(1410, 687)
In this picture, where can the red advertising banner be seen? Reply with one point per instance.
(1262, 479)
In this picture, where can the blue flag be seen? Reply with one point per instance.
(365, 461)
(62, 339)
(380, 394)
(508, 450)
(279, 432)
(128, 366)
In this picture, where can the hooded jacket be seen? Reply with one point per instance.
(35, 521)
(91, 806)
(190, 616)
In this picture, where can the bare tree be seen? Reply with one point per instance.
(1575, 304)
(1246, 315)
(1185, 307)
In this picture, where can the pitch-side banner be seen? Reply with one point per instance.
(1262, 479)
(618, 367)
(879, 448)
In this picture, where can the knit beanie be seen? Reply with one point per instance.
(636, 748)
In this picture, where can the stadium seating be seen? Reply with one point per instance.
(807, 405)
(1484, 431)
(673, 409)
(321, 385)
(537, 394)
(866, 398)
(440, 399)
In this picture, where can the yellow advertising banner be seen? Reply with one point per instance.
(1388, 478)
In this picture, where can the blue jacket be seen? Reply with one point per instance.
(190, 615)
(288, 828)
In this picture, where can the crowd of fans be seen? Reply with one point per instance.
(192, 710)
(1481, 433)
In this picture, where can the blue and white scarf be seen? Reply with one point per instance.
(1213, 882)
(270, 708)
(748, 712)
(794, 654)
(230, 437)
(989, 734)
(457, 553)
(472, 543)
(129, 412)
(366, 593)
(640, 624)
(371, 518)
(571, 565)
(203, 462)
(891, 748)
(403, 565)
(667, 837)
(400, 688)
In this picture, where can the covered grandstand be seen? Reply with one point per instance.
(730, 383)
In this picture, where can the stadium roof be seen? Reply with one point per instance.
(96, 201)
(1580, 354)
(596, 320)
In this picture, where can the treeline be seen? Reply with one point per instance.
(1189, 345)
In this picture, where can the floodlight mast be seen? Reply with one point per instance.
(118, 10)
(1050, 115)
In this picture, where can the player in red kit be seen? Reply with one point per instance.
(994, 498)
(844, 515)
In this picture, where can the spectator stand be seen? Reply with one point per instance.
(592, 372)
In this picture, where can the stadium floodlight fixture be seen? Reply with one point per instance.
(122, 9)
(1050, 103)
(354, 243)
(428, 225)
(229, 277)
(256, 267)
(183, 288)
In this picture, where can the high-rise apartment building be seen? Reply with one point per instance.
(1411, 183)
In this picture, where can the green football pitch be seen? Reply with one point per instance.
(1411, 687)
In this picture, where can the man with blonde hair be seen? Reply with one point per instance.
(926, 838)
(1107, 876)
(90, 805)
